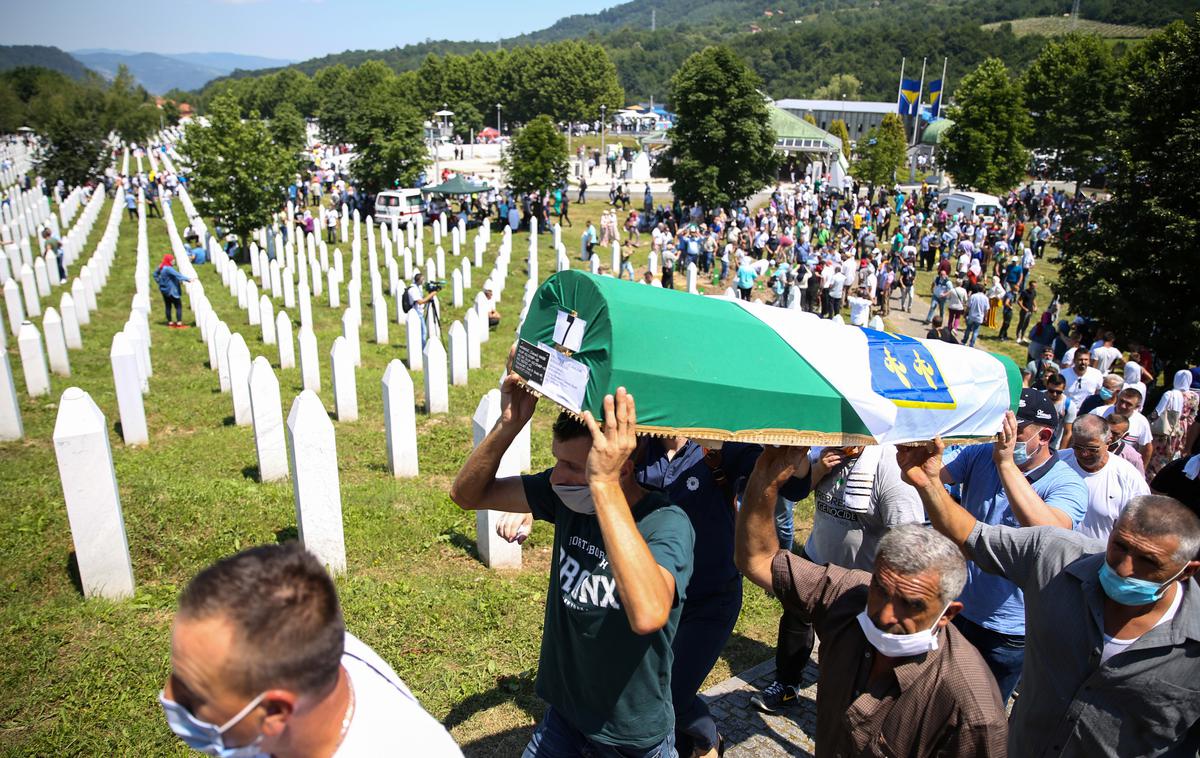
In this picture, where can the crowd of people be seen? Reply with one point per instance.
(1049, 573)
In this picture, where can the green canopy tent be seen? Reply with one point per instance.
(720, 369)
(455, 185)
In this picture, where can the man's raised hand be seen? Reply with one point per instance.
(612, 445)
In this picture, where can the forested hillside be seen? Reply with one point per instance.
(796, 48)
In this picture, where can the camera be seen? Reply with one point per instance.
(435, 285)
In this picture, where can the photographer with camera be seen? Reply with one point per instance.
(422, 296)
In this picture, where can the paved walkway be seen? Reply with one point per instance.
(751, 734)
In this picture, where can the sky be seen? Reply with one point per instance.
(289, 29)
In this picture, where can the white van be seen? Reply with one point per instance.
(987, 206)
(401, 205)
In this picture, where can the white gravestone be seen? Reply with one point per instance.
(14, 306)
(350, 332)
(239, 379)
(380, 312)
(413, 339)
(267, 413)
(266, 320)
(93, 500)
(345, 392)
(437, 393)
(33, 360)
(310, 363)
(70, 322)
(458, 354)
(283, 339)
(128, 384)
(494, 551)
(400, 420)
(473, 341)
(33, 305)
(253, 304)
(312, 459)
(11, 427)
(221, 336)
(56, 343)
(456, 284)
(335, 281)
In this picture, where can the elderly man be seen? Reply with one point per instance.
(1106, 395)
(1111, 480)
(1139, 434)
(1017, 481)
(896, 678)
(262, 664)
(621, 562)
(1113, 646)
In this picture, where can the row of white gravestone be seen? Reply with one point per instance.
(93, 498)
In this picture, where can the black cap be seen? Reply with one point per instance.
(1035, 407)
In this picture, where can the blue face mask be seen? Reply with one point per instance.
(1105, 394)
(205, 737)
(1021, 454)
(1128, 590)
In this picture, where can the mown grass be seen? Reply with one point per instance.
(1053, 26)
(80, 676)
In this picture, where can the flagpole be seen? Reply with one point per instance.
(942, 96)
(920, 93)
(900, 87)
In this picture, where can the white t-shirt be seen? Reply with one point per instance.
(836, 283)
(1109, 489)
(1139, 428)
(860, 311)
(387, 719)
(1104, 357)
(1080, 387)
(1113, 645)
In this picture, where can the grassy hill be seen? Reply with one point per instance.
(1053, 26)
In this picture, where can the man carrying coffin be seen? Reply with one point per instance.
(621, 564)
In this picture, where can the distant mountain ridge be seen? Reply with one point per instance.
(160, 73)
(45, 56)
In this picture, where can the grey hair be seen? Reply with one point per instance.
(914, 549)
(1162, 516)
(1113, 382)
(1091, 427)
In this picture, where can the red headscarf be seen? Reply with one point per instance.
(168, 260)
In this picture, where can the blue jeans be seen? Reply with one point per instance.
(704, 627)
(555, 738)
(784, 528)
(1003, 653)
(972, 331)
(936, 305)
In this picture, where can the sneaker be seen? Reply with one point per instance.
(774, 697)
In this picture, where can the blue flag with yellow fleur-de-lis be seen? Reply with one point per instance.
(909, 102)
(904, 371)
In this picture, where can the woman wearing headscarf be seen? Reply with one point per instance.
(1172, 417)
(995, 295)
(168, 284)
(1133, 378)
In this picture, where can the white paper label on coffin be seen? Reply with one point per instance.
(558, 377)
(569, 330)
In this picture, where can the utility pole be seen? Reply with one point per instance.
(654, 17)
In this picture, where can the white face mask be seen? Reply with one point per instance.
(900, 645)
(577, 497)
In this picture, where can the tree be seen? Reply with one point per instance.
(537, 156)
(837, 128)
(985, 148)
(810, 119)
(389, 140)
(1135, 268)
(288, 130)
(238, 174)
(840, 86)
(882, 152)
(722, 145)
(1072, 90)
(72, 129)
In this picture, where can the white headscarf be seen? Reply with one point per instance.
(1133, 378)
(1172, 399)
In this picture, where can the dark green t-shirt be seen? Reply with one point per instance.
(608, 682)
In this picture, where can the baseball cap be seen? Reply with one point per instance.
(1035, 407)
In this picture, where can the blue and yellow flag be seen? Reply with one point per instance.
(935, 98)
(910, 97)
